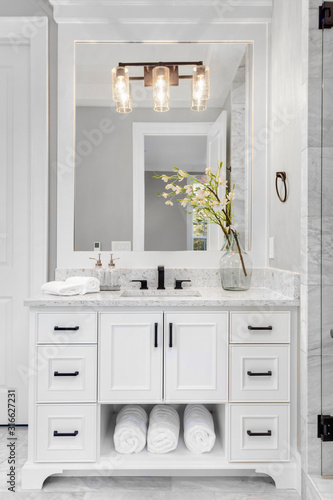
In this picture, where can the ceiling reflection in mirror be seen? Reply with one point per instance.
(109, 206)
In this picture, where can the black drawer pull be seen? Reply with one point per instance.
(60, 434)
(57, 374)
(66, 328)
(260, 327)
(265, 374)
(170, 334)
(156, 335)
(268, 433)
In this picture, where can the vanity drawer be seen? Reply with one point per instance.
(259, 433)
(259, 373)
(260, 327)
(67, 328)
(67, 373)
(66, 433)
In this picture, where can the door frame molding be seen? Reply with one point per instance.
(33, 31)
(140, 130)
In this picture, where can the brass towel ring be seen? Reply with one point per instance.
(283, 177)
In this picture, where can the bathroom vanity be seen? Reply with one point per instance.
(234, 352)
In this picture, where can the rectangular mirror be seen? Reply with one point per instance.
(118, 155)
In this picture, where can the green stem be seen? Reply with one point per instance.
(239, 251)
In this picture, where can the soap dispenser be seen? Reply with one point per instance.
(99, 272)
(111, 275)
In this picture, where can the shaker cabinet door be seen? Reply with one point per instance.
(196, 357)
(130, 353)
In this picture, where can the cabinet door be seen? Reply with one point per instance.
(196, 357)
(130, 354)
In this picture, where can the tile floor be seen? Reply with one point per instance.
(136, 488)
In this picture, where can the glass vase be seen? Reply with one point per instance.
(235, 266)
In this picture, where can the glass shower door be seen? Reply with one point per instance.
(327, 230)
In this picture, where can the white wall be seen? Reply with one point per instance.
(31, 8)
(285, 132)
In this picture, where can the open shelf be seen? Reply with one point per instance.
(181, 458)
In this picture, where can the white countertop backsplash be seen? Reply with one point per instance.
(270, 287)
(283, 282)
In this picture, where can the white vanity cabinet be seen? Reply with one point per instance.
(196, 357)
(130, 357)
(88, 362)
(186, 361)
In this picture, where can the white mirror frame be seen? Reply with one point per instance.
(218, 30)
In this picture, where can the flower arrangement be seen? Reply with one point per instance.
(203, 195)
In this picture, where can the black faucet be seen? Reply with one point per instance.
(160, 271)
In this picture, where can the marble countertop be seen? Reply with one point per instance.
(209, 297)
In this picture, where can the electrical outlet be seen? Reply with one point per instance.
(120, 246)
(97, 246)
(271, 248)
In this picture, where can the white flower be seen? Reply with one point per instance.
(168, 186)
(214, 203)
(203, 203)
(184, 202)
(193, 203)
(173, 187)
(189, 189)
(165, 195)
(207, 193)
(178, 189)
(182, 173)
(200, 194)
(169, 202)
(224, 202)
(208, 170)
(165, 178)
(231, 196)
(223, 182)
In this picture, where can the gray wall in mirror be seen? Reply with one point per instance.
(104, 177)
(166, 227)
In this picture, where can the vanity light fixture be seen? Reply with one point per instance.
(160, 76)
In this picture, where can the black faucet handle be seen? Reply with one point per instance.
(179, 284)
(143, 286)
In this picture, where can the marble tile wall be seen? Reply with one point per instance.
(238, 142)
(310, 332)
(317, 254)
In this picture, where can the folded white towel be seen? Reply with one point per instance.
(91, 284)
(163, 431)
(62, 288)
(130, 434)
(199, 434)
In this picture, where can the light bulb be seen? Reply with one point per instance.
(161, 88)
(120, 84)
(200, 84)
(199, 104)
(125, 104)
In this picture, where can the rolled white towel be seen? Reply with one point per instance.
(199, 434)
(130, 434)
(91, 285)
(163, 430)
(62, 288)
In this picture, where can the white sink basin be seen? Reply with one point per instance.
(160, 293)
